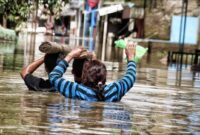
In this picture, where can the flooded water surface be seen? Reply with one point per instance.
(162, 101)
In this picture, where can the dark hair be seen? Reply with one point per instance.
(94, 76)
(77, 66)
(51, 60)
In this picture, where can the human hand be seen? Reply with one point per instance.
(130, 50)
(91, 55)
(76, 52)
(121, 37)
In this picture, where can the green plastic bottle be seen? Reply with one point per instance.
(140, 51)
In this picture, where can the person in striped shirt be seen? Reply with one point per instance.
(93, 85)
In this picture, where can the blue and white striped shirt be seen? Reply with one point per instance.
(112, 92)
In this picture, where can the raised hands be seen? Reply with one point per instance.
(74, 53)
(130, 50)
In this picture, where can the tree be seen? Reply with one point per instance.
(55, 6)
(14, 12)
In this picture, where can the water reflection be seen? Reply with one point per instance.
(183, 78)
(10, 56)
(157, 104)
(85, 117)
(169, 77)
(160, 110)
(145, 110)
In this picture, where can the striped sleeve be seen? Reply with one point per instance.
(65, 87)
(126, 83)
(116, 90)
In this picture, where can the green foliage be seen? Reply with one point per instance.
(2, 2)
(15, 10)
(55, 6)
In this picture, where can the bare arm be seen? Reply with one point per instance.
(31, 67)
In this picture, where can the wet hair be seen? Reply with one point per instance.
(51, 60)
(94, 76)
(77, 67)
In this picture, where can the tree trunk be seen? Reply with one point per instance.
(153, 4)
(199, 27)
(198, 42)
(5, 20)
(198, 2)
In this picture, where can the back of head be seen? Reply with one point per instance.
(94, 73)
(51, 60)
(77, 68)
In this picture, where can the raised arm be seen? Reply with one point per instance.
(31, 67)
(126, 83)
(115, 91)
(65, 87)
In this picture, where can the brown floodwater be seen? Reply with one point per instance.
(163, 100)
